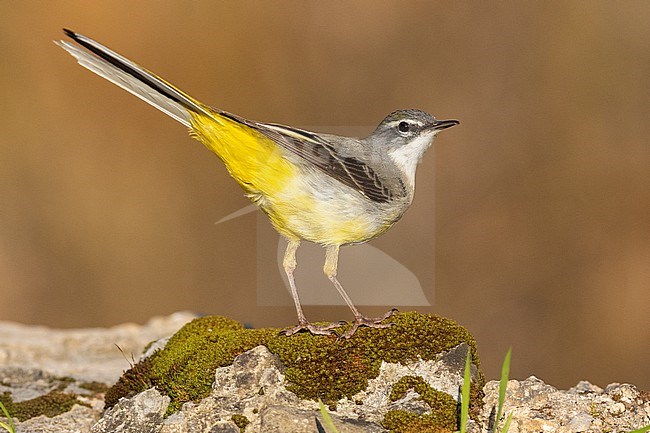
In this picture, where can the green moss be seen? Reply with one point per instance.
(51, 404)
(184, 369)
(407, 422)
(443, 416)
(476, 395)
(240, 421)
(132, 382)
(316, 366)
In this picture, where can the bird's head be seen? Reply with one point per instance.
(404, 136)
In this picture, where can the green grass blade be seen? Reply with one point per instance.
(642, 429)
(503, 385)
(327, 419)
(506, 425)
(464, 399)
(11, 428)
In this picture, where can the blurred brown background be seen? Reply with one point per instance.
(539, 227)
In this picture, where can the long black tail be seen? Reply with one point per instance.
(132, 78)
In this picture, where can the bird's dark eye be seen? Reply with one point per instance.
(403, 127)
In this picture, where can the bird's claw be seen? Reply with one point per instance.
(370, 323)
(314, 329)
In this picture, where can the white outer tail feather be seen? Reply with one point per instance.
(129, 83)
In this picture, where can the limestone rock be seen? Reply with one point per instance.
(536, 406)
(140, 414)
(251, 394)
(78, 420)
(65, 372)
(89, 354)
(254, 387)
(280, 419)
(217, 372)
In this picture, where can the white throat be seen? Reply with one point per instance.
(407, 157)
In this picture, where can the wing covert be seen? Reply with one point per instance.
(322, 154)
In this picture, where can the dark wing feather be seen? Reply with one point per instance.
(323, 155)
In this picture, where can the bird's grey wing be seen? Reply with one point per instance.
(324, 155)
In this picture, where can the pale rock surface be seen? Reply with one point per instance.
(90, 354)
(254, 386)
(35, 360)
(538, 407)
(143, 413)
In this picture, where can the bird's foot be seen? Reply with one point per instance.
(326, 329)
(370, 323)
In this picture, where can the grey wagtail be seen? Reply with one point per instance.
(322, 188)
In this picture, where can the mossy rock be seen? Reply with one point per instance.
(51, 404)
(442, 418)
(317, 367)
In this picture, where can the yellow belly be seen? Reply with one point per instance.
(333, 222)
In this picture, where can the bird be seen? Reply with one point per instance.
(323, 188)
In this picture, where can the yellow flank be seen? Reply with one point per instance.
(253, 160)
(353, 231)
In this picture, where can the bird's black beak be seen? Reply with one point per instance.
(439, 125)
